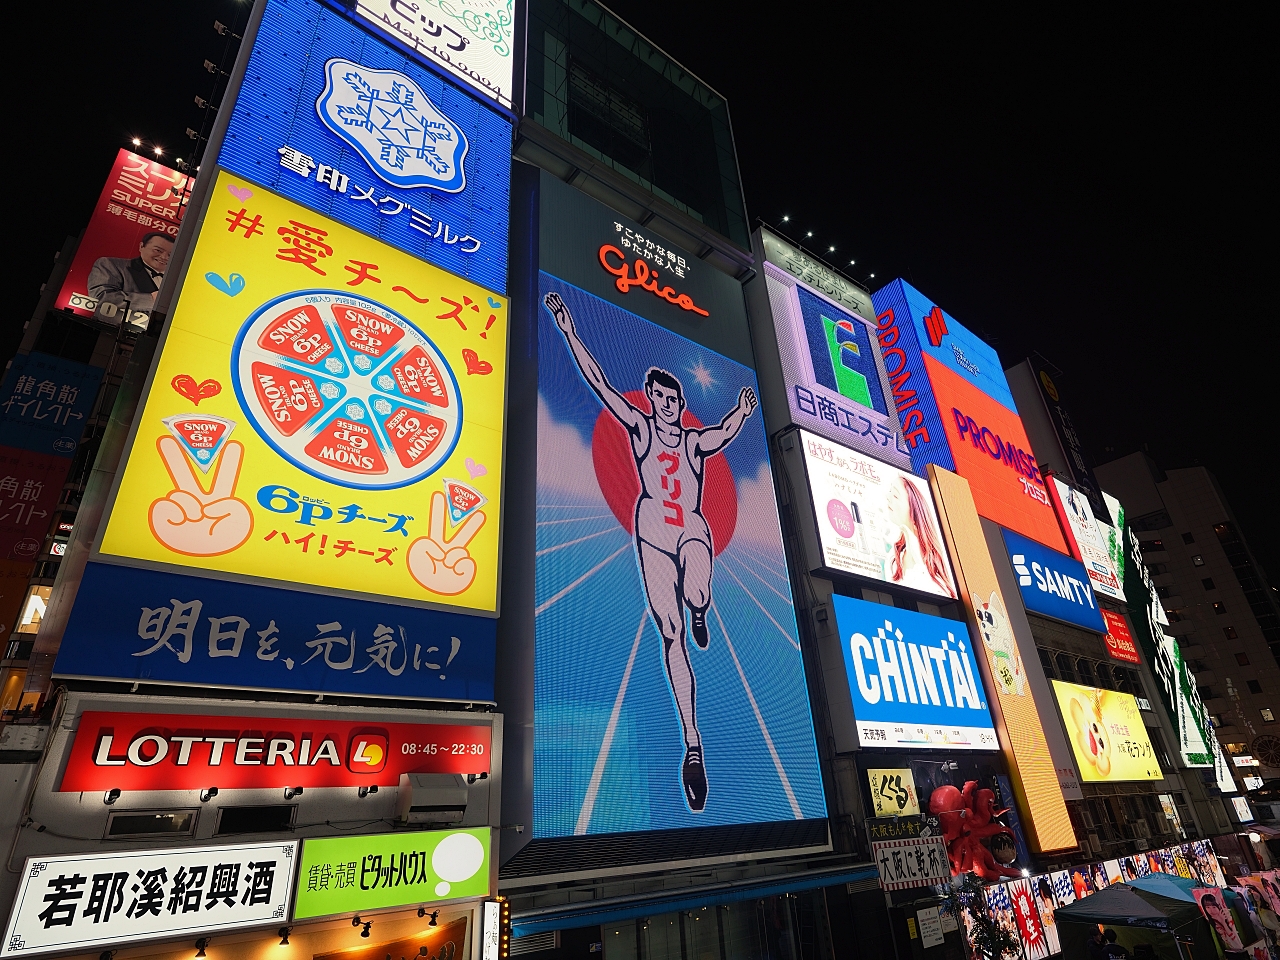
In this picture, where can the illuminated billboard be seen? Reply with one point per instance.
(1119, 640)
(874, 520)
(345, 124)
(326, 411)
(78, 903)
(471, 41)
(831, 366)
(912, 678)
(44, 401)
(957, 412)
(1052, 584)
(1085, 540)
(125, 250)
(1017, 704)
(669, 689)
(1108, 737)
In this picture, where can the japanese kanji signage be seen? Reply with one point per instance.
(342, 122)
(30, 485)
(893, 792)
(165, 628)
(1119, 640)
(1108, 737)
(325, 411)
(911, 862)
(82, 902)
(44, 401)
(345, 874)
(147, 751)
(125, 250)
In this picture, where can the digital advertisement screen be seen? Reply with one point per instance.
(1120, 643)
(1053, 584)
(44, 401)
(874, 520)
(1111, 536)
(472, 41)
(326, 411)
(1108, 737)
(350, 126)
(669, 688)
(832, 370)
(912, 678)
(125, 250)
(1086, 538)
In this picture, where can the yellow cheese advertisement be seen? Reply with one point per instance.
(1107, 734)
(326, 412)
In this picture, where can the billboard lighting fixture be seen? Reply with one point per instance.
(283, 934)
(809, 234)
(291, 792)
(208, 793)
(111, 796)
(831, 249)
(786, 219)
(158, 151)
(422, 912)
(137, 142)
(363, 792)
(201, 944)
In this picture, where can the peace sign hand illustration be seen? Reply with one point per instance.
(196, 523)
(444, 566)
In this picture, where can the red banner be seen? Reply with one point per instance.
(1119, 641)
(125, 249)
(30, 485)
(147, 751)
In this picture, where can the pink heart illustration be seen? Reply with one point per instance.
(476, 469)
(240, 193)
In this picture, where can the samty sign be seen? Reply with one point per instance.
(147, 751)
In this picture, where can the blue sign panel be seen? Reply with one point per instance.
(1053, 584)
(843, 359)
(44, 401)
(345, 124)
(156, 627)
(912, 679)
(940, 336)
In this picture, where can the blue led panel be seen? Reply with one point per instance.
(332, 117)
(669, 688)
(1053, 584)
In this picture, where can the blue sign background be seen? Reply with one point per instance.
(960, 349)
(119, 614)
(44, 402)
(1050, 595)
(608, 744)
(816, 314)
(862, 617)
(276, 108)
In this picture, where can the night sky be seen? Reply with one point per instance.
(1089, 189)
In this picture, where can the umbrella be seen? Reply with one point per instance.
(1176, 888)
(1152, 917)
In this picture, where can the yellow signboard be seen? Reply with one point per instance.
(327, 411)
(893, 792)
(1107, 734)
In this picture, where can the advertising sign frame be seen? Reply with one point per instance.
(1084, 538)
(1107, 734)
(1053, 584)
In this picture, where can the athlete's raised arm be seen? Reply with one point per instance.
(618, 405)
(714, 439)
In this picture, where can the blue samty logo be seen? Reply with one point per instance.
(1053, 582)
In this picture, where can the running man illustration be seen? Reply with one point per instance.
(673, 541)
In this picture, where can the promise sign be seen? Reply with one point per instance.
(147, 751)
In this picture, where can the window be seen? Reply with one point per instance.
(1164, 593)
(1254, 686)
(1198, 560)
(1219, 607)
(1066, 669)
(1188, 538)
(1206, 692)
(1267, 715)
(1156, 569)
(1208, 583)
(1236, 747)
(1175, 615)
(1242, 658)
(1151, 546)
(1230, 634)
(1046, 662)
(1104, 676)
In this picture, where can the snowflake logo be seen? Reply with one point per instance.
(381, 407)
(362, 363)
(355, 411)
(385, 382)
(404, 137)
(333, 365)
(329, 391)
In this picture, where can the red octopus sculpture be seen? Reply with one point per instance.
(968, 817)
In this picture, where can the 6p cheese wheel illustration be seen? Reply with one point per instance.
(347, 389)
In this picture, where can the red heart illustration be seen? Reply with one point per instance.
(186, 386)
(475, 364)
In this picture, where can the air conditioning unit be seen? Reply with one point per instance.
(1087, 817)
(1141, 828)
(1095, 845)
(439, 798)
(1141, 844)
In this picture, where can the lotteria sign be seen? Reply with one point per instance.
(147, 751)
(912, 679)
(957, 412)
(1052, 584)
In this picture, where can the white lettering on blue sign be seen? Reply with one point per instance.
(1052, 582)
(905, 671)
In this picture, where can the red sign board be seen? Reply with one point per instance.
(140, 207)
(147, 751)
(30, 485)
(1119, 641)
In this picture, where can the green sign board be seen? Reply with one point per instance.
(350, 874)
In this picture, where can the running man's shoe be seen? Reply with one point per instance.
(700, 635)
(694, 775)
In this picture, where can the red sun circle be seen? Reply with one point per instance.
(616, 474)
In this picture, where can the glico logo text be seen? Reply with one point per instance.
(906, 401)
(1015, 457)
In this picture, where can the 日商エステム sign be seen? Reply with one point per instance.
(147, 751)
